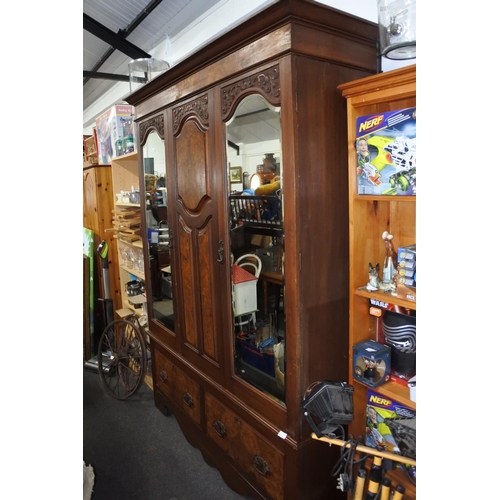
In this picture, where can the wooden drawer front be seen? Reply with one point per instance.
(164, 258)
(256, 457)
(173, 382)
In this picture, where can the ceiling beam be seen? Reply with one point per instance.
(122, 34)
(117, 41)
(112, 76)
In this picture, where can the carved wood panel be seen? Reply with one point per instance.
(191, 152)
(196, 231)
(266, 82)
(156, 123)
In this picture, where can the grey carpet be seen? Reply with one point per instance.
(139, 454)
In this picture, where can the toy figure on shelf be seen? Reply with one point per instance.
(373, 279)
(395, 279)
(374, 282)
(390, 257)
(370, 369)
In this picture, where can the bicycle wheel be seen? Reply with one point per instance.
(122, 358)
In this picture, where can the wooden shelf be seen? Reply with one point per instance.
(89, 164)
(393, 390)
(120, 204)
(367, 197)
(136, 243)
(369, 217)
(135, 272)
(128, 156)
(387, 297)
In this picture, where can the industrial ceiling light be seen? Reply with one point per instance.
(397, 29)
(142, 71)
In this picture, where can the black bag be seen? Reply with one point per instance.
(331, 403)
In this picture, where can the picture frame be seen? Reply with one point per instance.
(235, 175)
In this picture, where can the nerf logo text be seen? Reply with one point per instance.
(372, 123)
(380, 401)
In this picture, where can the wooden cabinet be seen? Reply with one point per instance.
(126, 237)
(293, 56)
(90, 151)
(97, 215)
(369, 217)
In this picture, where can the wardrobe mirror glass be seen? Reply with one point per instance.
(255, 173)
(160, 296)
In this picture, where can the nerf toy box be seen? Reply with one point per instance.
(391, 425)
(115, 133)
(386, 146)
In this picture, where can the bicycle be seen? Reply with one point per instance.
(122, 356)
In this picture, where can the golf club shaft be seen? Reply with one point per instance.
(398, 494)
(375, 478)
(360, 484)
(385, 489)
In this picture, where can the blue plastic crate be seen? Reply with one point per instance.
(262, 360)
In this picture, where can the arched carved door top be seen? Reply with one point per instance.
(266, 83)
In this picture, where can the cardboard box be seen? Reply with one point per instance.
(391, 425)
(412, 385)
(270, 258)
(407, 253)
(407, 292)
(386, 145)
(372, 363)
(406, 273)
(397, 329)
(115, 133)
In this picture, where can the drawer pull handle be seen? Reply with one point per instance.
(188, 400)
(163, 376)
(220, 428)
(261, 466)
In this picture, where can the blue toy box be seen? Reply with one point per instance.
(372, 363)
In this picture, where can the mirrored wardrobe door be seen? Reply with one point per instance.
(257, 244)
(159, 242)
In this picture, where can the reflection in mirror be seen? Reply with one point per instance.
(159, 243)
(257, 244)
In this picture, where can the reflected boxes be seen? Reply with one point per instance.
(262, 359)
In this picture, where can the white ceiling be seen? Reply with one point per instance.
(168, 18)
(171, 31)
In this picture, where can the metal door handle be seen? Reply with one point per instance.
(220, 252)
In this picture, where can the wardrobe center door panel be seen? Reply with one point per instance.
(197, 237)
(191, 148)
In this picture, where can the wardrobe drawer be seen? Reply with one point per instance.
(176, 384)
(256, 457)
